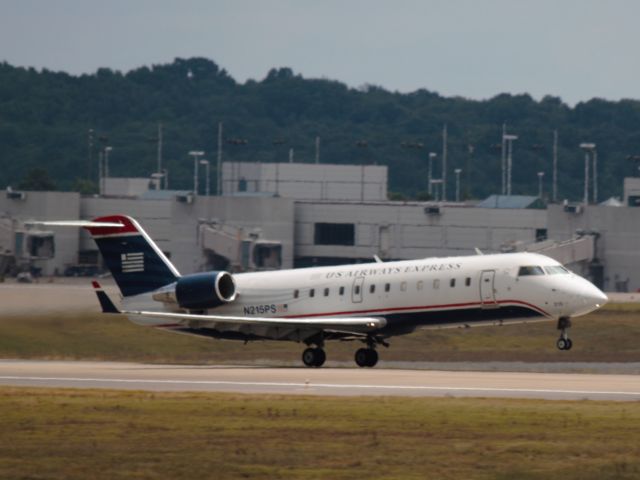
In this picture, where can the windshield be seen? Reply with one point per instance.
(525, 271)
(556, 269)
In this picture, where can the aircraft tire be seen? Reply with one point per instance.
(562, 344)
(569, 344)
(372, 357)
(320, 357)
(362, 357)
(313, 357)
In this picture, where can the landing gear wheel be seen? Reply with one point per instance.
(564, 342)
(314, 357)
(561, 344)
(320, 357)
(366, 357)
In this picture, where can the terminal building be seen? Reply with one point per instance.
(286, 215)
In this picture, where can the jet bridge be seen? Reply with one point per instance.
(239, 249)
(578, 252)
(21, 245)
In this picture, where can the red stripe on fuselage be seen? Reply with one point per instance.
(419, 308)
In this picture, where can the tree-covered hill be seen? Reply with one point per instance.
(45, 118)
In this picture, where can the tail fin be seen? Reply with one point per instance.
(135, 261)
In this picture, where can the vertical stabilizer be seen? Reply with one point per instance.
(135, 261)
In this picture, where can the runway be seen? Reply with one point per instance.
(323, 381)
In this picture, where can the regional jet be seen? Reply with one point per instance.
(369, 303)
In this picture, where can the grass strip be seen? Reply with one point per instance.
(605, 336)
(67, 434)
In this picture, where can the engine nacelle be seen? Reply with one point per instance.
(205, 290)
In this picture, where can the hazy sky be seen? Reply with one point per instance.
(575, 49)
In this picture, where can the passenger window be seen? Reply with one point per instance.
(387, 287)
(526, 271)
(420, 285)
(403, 287)
(436, 284)
(312, 292)
(326, 292)
(296, 293)
(372, 289)
(356, 289)
(467, 281)
(341, 291)
(452, 282)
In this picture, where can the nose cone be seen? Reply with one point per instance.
(590, 297)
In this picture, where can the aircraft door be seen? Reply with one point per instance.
(487, 290)
(356, 290)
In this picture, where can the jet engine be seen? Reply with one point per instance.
(205, 290)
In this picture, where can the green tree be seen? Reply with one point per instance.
(37, 179)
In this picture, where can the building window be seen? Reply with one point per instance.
(436, 284)
(420, 285)
(296, 293)
(326, 292)
(372, 289)
(312, 292)
(387, 287)
(335, 234)
(341, 290)
(467, 281)
(452, 282)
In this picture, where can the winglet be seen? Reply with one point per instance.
(105, 302)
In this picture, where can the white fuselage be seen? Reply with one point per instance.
(427, 292)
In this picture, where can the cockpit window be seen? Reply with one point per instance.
(524, 271)
(556, 269)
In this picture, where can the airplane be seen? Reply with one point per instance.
(369, 302)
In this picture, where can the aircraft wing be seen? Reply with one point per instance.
(325, 323)
(344, 324)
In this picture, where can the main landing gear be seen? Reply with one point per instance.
(314, 357)
(366, 357)
(564, 342)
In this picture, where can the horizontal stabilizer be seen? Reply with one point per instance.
(105, 302)
(74, 223)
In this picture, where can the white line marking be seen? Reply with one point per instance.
(319, 385)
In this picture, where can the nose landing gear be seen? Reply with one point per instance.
(564, 342)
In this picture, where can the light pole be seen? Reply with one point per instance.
(588, 148)
(432, 156)
(195, 154)
(100, 172)
(207, 184)
(540, 177)
(104, 161)
(436, 194)
(509, 139)
(457, 172)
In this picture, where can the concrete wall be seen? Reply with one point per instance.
(307, 180)
(413, 233)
